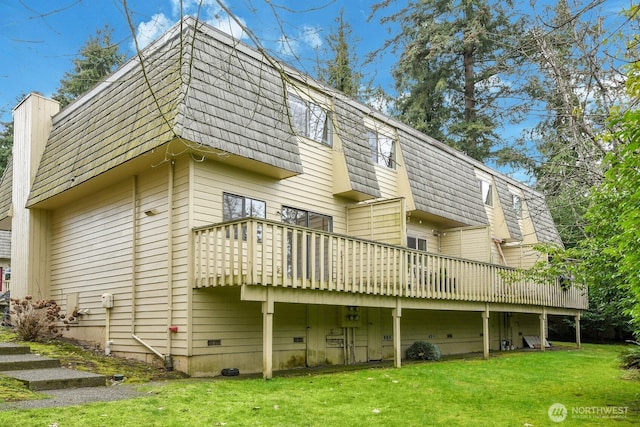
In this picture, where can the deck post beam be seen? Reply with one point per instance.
(267, 337)
(485, 332)
(578, 338)
(543, 327)
(397, 341)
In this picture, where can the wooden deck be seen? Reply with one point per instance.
(267, 253)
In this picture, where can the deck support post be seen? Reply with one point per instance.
(485, 332)
(578, 338)
(397, 342)
(267, 337)
(543, 327)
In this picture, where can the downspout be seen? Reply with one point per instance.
(168, 361)
(107, 332)
(134, 244)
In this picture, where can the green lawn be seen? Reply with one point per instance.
(512, 389)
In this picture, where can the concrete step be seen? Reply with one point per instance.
(16, 362)
(56, 378)
(13, 348)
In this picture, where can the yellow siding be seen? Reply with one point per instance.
(379, 221)
(500, 228)
(453, 332)
(467, 242)
(103, 225)
(404, 187)
(520, 256)
(388, 181)
(29, 239)
(526, 225)
(312, 191)
(425, 230)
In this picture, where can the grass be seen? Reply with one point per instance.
(512, 389)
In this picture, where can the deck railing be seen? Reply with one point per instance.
(262, 252)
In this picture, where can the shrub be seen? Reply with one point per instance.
(35, 320)
(422, 350)
(630, 358)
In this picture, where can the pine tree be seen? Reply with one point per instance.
(339, 71)
(454, 67)
(6, 143)
(97, 58)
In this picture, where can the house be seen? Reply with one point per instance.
(5, 260)
(212, 208)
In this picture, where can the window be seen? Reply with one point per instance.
(417, 243)
(306, 219)
(310, 120)
(238, 207)
(487, 192)
(517, 205)
(382, 149)
(295, 252)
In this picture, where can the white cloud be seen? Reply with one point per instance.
(227, 24)
(288, 46)
(210, 12)
(307, 37)
(311, 36)
(150, 30)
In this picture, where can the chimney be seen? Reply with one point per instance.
(29, 227)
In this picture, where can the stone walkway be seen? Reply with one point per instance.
(78, 396)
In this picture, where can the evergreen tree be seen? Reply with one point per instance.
(6, 143)
(97, 58)
(455, 63)
(338, 71)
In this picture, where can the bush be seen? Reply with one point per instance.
(35, 320)
(630, 358)
(422, 350)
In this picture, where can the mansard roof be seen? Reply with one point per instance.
(194, 84)
(199, 88)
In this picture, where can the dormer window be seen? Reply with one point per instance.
(383, 149)
(310, 120)
(517, 204)
(487, 192)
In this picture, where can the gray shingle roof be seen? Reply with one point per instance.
(506, 202)
(219, 94)
(543, 224)
(442, 184)
(228, 101)
(353, 133)
(236, 102)
(115, 122)
(6, 187)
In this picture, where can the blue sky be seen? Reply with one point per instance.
(40, 38)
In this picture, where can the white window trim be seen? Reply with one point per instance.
(322, 134)
(486, 191)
